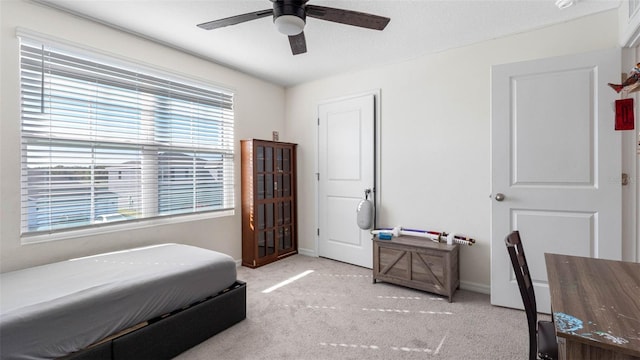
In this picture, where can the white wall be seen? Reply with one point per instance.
(435, 122)
(259, 109)
(629, 37)
(435, 114)
(630, 193)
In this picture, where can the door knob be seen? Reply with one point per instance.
(500, 196)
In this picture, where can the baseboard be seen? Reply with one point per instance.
(475, 287)
(307, 252)
(465, 285)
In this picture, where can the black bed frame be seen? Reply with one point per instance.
(169, 336)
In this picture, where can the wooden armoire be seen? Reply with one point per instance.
(269, 214)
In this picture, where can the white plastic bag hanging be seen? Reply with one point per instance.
(365, 212)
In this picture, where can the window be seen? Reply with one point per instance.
(106, 141)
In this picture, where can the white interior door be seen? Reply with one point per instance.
(346, 158)
(556, 159)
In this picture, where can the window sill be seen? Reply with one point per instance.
(119, 227)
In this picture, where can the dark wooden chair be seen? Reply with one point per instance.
(542, 334)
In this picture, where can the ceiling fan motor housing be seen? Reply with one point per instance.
(289, 16)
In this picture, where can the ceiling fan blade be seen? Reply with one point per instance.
(235, 19)
(348, 17)
(298, 44)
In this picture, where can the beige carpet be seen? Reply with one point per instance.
(336, 312)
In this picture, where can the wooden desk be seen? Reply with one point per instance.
(596, 307)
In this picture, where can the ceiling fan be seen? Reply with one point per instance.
(289, 16)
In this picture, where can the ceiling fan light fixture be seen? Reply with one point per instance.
(289, 24)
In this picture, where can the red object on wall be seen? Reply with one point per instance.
(624, 114)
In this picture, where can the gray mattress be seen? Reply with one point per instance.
(53, 310)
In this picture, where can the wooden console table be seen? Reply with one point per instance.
(417, 263)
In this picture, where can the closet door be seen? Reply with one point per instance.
(556, 164)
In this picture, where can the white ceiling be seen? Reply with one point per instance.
(417, 27)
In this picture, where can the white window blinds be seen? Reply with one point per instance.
(103, 142)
